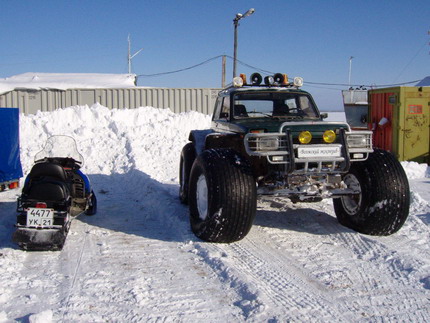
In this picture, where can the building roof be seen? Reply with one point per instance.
(424, 82)
(65, 81)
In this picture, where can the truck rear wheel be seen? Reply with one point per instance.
(188, 155)
(382, 204)
(222, 196)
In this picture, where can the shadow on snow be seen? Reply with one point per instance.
(300, 219)
(135, 203)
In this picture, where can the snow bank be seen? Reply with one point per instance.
(115, 141)
(414, 170)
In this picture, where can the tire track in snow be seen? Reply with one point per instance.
(374, 280)
(396, 277)
(269, 282)
(387, 281)
(148, 273)
(44, 282)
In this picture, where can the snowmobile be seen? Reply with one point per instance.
(54, 193)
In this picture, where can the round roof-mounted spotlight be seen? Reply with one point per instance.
(237, 81)
(268, 80)
(298, 81)
(256, 79)
(278, 78)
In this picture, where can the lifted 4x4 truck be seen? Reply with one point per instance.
(271, 139)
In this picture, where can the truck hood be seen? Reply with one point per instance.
(267, 126)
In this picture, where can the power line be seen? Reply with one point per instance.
(328, 84)
(271, 73)
(365, 85)
(411, 60)
(182, 69)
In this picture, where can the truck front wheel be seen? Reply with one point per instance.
(381, 204)
(222, 196)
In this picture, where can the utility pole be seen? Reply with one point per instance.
(223, 72)
(129, 56)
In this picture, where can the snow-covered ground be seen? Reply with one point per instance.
(136, 260)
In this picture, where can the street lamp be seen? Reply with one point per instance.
(236, 23)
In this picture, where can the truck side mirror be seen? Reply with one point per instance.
(324, 115)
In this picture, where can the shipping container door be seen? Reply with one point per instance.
(416, 129)
(382, 108)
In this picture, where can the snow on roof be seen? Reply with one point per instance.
(424, 82)
(64, 81)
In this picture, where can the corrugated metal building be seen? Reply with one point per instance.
(32, 92)
(29, 101)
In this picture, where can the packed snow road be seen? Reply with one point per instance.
(137, 260)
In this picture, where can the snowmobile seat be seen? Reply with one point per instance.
(47, 190)
(47, 181)
(50, 170)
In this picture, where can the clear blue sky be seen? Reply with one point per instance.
(313, 39)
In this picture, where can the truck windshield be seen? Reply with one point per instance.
(288, 105)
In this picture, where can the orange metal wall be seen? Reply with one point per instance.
(380, 108)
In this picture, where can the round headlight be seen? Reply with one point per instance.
(329, 136)
(305, 137)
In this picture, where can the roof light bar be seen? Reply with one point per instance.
(278, 79)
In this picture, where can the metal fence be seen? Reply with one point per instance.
(178, 100)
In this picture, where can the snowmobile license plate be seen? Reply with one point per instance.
(37, 217)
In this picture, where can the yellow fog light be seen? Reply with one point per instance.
(329, 136)
(305, 137)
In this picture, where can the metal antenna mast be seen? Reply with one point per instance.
(129, 56)
(350, 69)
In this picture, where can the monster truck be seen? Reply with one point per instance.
(269, 138)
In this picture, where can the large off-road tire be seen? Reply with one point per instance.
(188, 155)
(382, 206)
(222, 196)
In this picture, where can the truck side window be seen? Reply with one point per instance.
(217, 109)
(307, 107)
(222, 108)
(225, 110)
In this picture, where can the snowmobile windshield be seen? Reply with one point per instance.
(60, 147)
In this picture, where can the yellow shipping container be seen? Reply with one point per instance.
(399, 118)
